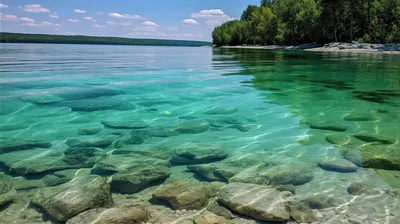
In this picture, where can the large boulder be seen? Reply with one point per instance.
(135, 181)
(375, 156)
(182, 195)
(7, 192)
(128, 215)
(12, 145)
(256, 201)
(337, 164)
(193, 153)
(80, 194)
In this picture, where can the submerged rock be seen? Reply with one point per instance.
(220, 210)
(359, 188)
(256, 201)
(127, 215)
(209, 218)
(329, 126)
(83, 156)
(284, 174)
(319, 202)
(12, 145)
(135, 181)
(42, 99)
(150, 150)
(7, 192)
(192, 153)
(126, 162)
(91, 141)
(80, 194)
(161, 132)
(90, 93)
(338, 139)
(222, 110)
(301, 212)
(375, 138)
(124, 123)
(337, 164)
(90, 130)
(100, 103)
(193, 126)
(360, 117)
(375, 156)
(182, 195)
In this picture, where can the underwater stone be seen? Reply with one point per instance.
(150, 150)
(301, 212)
(290, 173)
(13, 127)
(329, 127)
(359, 188)
(90, 93)
(222, 110)
(135, 181)
(192, 153)
(80, 194)
(337, 164)
(161, 132)
(41, 99)
(123, 123)
(319, 202)
(127, 163)
(220, 210)
(91, 141)
(205, 171)
(375, 138)
(338, 139)
(83, 156)
(54, 112)
(375, 156)
(182, 195)
(12, 145)
(7, 192)
(207, 217)
(255, 201)
(360, 117)
(193, 126)
(101, 103)
(89, 130)
(136, 214)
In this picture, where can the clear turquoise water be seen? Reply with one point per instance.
(265, 102)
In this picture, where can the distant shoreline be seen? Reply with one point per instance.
(331, 47)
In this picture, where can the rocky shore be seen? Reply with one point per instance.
(353, 47)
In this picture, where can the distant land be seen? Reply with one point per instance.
(61, 39)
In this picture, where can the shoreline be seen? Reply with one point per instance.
(331, 48)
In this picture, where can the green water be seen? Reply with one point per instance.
(108, 110)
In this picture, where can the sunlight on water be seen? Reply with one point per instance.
(322, 128)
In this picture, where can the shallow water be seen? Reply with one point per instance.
(279, 107)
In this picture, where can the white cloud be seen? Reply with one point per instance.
(89, 18)
(54, 16)
(208, 13)
(148, 23)
(42, 24)
(35, 8)
(99, 13)
(123, 23)
(173, 28)
(73, 20)
(190, 21)
(215, 17)
(3, 6)
(98, 26)
(11, 18)
(124, 16)
(28, 20)
(80, 11)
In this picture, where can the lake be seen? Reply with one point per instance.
(312, 137)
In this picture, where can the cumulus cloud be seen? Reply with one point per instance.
(28, 20)
(73, 20)
(98, 26)
(89, 18)
(54, 16)
(3, 6)
(11, 18)
(35, 8)
(43, 24)
(148, 23)
(123, 16)
(123, 23)
(208, 13)
(81, 11)
(190, 21)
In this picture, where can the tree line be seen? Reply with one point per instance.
(60, 39)
(306, 21)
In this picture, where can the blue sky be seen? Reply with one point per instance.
(173, 19)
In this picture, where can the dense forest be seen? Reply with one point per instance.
(306, 21)
(59, 39)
